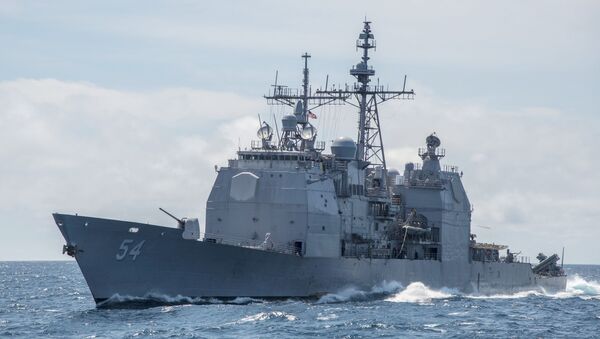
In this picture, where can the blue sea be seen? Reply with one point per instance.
(51, 299)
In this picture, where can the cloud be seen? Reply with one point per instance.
(530, 172)
(78, 147)
(543, 35)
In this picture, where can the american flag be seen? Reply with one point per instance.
(312, 115)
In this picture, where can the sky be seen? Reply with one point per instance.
(114, 109)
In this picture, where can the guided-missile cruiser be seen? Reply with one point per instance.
(286, 218)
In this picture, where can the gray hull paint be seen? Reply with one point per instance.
(169, 265)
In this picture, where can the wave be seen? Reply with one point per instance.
(355, 294)
(262, 316)
(392, 291)
(418, 292)
(577, 287)
(153, 300)
(581, 288)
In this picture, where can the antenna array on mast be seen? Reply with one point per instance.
(370, 141)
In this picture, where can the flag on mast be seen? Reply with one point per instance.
(312, 115)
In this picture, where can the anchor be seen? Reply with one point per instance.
(70, 250)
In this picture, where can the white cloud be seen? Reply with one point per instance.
(77, 147)
(498, 34)
(531, 173)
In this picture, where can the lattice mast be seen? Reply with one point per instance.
(302, 102)
(370, 142)
(363, 74)
(302, 137)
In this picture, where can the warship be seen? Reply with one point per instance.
(285, 218)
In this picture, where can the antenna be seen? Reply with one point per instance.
(259, 121)
(275, 84)
(562, 258)
(277, 129)
(302, 101)
(370, 142)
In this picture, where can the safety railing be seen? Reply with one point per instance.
(450, 168)
(257, 244)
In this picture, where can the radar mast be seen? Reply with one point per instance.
(301, 137)
(370, 141)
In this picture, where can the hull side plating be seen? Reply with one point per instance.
(167, 264)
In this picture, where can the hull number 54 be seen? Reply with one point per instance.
(128, 248)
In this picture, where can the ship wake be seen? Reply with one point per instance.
(419, 293)
(389, 291)
(354, 294)
(155, 300)
(577, 287)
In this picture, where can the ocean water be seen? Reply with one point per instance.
(51, 299)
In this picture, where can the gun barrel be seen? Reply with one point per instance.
(172, 216)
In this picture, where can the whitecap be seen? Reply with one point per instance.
(350, 293)
(262, 316)
(582, 288)
(244, 301)
(515, 295)
(150, 298)
(576, 287)
(355, 294)
(458, 314)
(327, 317)
(417, 292)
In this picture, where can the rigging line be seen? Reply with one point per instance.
(336, 119)
(403, 241)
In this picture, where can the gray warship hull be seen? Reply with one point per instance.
(113, 263)
(329, 221)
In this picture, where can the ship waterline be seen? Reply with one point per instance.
(168, 265)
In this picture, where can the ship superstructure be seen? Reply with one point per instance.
(346, 203)
(286, 218)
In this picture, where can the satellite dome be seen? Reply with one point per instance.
(308, 132)
(343, 148)
(265, 132)
(289, 122)
(433, 141)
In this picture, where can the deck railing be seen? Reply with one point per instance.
(256, 244)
